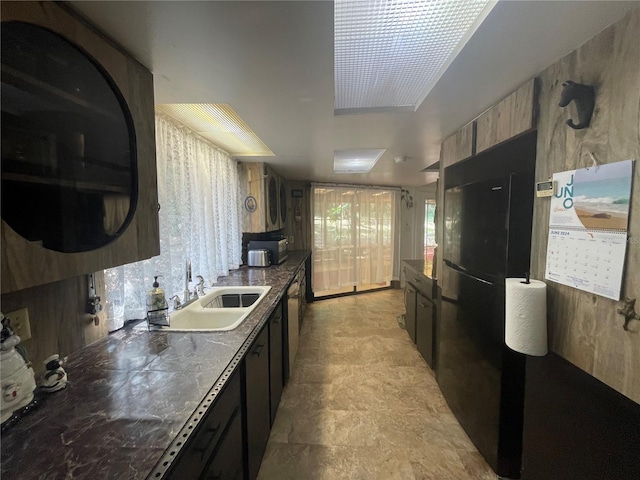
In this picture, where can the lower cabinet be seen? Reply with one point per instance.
(232, 437)
(227, 463)
(276, 359)
(424, 327)
(215, 449)
(410, 294)
(257, 401)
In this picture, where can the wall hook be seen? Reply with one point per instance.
(408, 199)
(628, 311)
(585, 98)
(594, 162)
(94, 306)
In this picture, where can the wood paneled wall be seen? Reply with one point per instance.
(300, 230)
(585, 328)
(58, 317)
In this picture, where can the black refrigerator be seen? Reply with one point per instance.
(487, 237)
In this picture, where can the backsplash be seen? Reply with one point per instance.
(59, 322)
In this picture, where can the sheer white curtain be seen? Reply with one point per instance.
(355, 236)
(199, 220)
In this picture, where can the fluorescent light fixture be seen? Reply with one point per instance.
(388, 54)
(356, 161)
(220, 124)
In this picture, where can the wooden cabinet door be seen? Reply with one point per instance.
(512, 116)
(258, 413)
(458, 146)
(25, 263)
(211, 434)
(424, 327)
(410, 306)
(253, 194)
(226, 463)
(276, 379)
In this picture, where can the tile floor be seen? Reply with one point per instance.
(362, 404)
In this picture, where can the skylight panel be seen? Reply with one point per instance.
(390, 53)
(356, 161)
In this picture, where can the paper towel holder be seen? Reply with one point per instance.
(527, 278)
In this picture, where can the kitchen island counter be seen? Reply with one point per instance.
(132, 392)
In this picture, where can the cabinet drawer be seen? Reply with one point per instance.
(422, 284)
(194, 459)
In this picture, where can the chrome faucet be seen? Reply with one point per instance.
(198, 290)
(187, 279)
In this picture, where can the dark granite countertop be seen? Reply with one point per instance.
(131, 393)
(422, 267)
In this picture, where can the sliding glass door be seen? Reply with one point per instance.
(354, 238)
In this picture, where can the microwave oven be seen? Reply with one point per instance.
(277, 248)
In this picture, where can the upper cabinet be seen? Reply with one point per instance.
(513, 115)
(459, 146)
(79, 189)
(264, 198)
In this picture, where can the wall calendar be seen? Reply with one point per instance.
(588, 226)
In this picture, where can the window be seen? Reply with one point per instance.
(199, 220)
(354, 238)
(429, 229)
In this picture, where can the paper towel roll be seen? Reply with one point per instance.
(526, 316)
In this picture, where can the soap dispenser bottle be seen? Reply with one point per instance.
(155, 297)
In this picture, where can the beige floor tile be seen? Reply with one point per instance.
(362, 403)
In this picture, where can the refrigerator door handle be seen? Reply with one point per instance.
(458, 269)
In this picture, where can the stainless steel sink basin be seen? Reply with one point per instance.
(222, 308)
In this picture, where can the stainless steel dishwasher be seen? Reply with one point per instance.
(293, 300)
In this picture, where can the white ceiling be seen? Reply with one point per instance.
(273, 62)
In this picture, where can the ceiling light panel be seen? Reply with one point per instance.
(390, 53)
(356, 161)
(220, 124)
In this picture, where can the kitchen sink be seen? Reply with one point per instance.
(222, 308)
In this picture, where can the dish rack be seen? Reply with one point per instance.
(159, 317)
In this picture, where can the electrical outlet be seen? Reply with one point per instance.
(20, 323)
(291, 237)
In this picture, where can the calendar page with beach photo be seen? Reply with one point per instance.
(588, 228)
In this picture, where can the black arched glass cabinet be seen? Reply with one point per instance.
(69, 164)
(79, 183)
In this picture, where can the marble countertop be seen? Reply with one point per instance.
(422, 266)
(131, 393)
